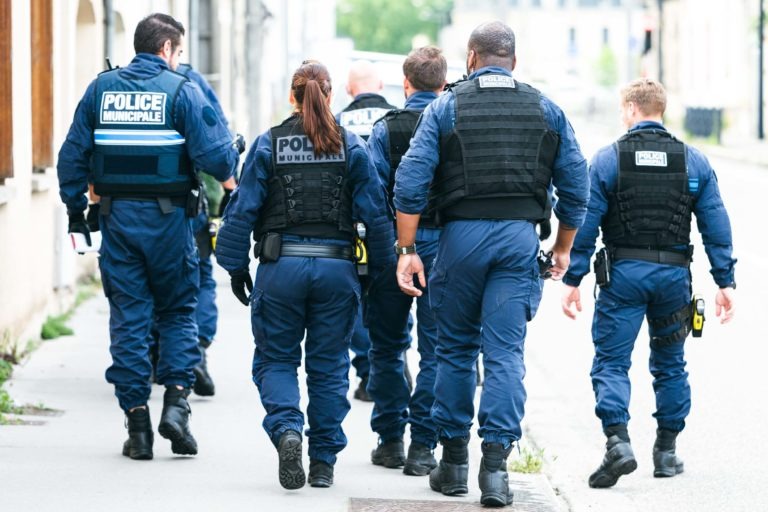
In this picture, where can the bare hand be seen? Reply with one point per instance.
(407, 266)
(561, 261)
(571, 296)
(725, 304)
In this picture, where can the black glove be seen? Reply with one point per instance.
(240, 280)
(77, 224)
(92, 219)
(224, 201)
(239, 144)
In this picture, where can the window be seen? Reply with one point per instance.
(6, 88)
(42, 85)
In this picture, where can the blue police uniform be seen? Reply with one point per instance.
(485, 285)
(389, 328)
(319, 295)
(136, 130)
(640, 288)
(359, 117)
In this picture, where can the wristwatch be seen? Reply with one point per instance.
(408, 249)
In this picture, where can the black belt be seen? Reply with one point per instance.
(678, 259)
(316, 251)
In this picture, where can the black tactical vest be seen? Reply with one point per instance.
(308, 194)
(400, 127)
(360, 115)
(497, 162)
(652, 205)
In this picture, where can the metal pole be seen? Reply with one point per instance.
(661, 39)
(193, 34)
(760, 107)
(109, 30)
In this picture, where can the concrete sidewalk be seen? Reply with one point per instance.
(74, 462)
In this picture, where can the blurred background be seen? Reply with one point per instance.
(708, 53)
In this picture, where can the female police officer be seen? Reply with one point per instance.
(304, 183)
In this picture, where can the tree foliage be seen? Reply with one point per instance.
(389, 26)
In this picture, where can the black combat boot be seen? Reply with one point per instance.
(665, 462)
(320, 473)
(138, 446)
(420, 460)
(361, 393)
(291, 470)
(450, 475)
(619, 460)
(390, 454)
(174, 422)
(493, 477)
(203, 385)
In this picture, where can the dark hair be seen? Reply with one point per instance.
(425, 68)
(493, 43)
(311, 85)
(153, 31)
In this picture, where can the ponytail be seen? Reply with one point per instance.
(311, 85)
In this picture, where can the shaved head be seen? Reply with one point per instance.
(493, 44)
(363, 77)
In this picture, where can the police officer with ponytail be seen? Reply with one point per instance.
(304, 184)
(139, 132)
(645, 187)
(486, 152)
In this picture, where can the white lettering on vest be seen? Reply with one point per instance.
(651, 158)
(298, 149)
(496, 81)
(133, 107)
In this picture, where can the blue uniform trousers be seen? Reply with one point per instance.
(389, 324)
(149, 265)
(484, 288)
(639, 289)
(207, 313)
(291, 296)
(360, 345)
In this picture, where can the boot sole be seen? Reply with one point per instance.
(495, 499)
(668, 472)
(609, 478)
(291, 472)
(138, 456)
(180, 444)
(416, 469)
(450, 490)
(320, 482)
(388, 462)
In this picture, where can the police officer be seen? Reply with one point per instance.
(303, 184)
(490, 147)
(367, 106)
(645, 187)
(388, 307)
(139, 131)
(207, 313)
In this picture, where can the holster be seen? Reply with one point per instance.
(603, 268)
(195, 198)
(270, 246)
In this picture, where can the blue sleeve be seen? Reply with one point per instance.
(378, 149)
(209, 93)
(602, 176)
(417, 168)
(208, 140)
(569, 173)
(233, 243)
(73, 165)
(711, 218)
(369, 205)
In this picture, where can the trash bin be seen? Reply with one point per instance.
(704, 122)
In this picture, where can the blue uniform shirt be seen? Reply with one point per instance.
(208, 92)
(711, 217)
(242, 213)
(208, 141)
(417, 168)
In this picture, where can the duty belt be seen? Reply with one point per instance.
(317, 251)
(679, 259)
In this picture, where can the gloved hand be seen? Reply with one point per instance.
(240, 280)
(224, 201)
(92, 219)
(239, 144)
(77, 224)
